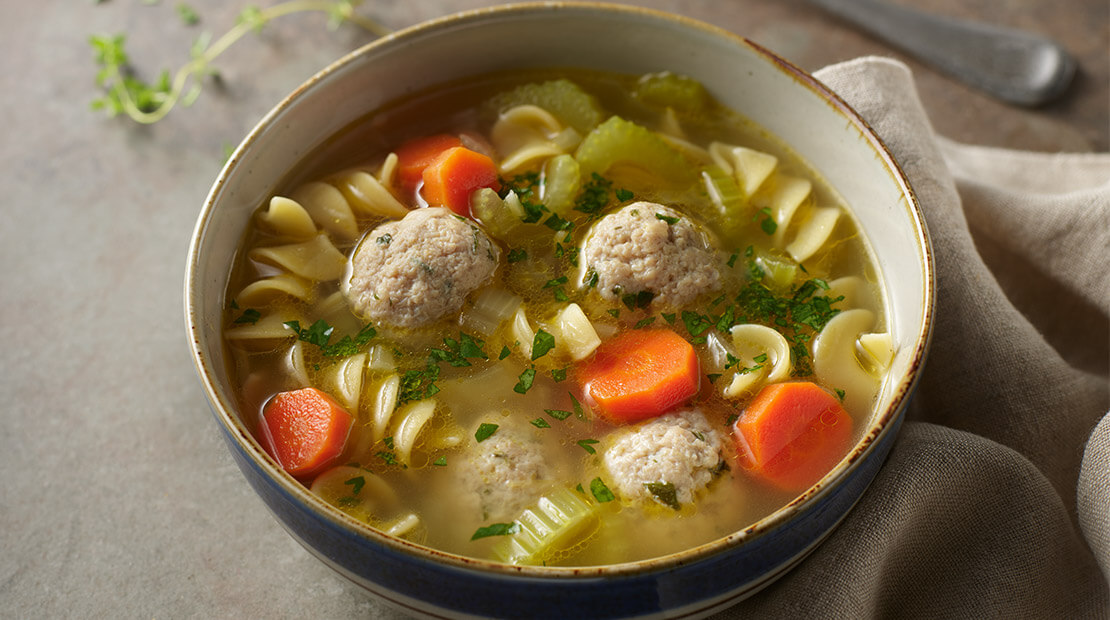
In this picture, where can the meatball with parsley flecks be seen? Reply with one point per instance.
(418, 269)
(648, 247)
(668, 459)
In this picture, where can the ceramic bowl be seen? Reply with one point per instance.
(767, 89)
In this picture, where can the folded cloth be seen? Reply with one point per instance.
(995, 500)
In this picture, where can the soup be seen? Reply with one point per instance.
(556, 317)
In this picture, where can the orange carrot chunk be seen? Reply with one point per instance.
(792, 434)
(640, 374)
(415, 155)
(454, 175)
(305, 430)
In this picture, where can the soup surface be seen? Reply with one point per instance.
(556, 317)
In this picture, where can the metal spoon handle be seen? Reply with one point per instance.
(1012, 65)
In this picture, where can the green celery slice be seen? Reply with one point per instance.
(667, 89)
(617, 141)
(562, 180)
(563, 98)
(557, 522)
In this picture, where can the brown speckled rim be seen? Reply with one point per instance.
(881, 424)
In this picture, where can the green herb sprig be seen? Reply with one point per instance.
(148, 103)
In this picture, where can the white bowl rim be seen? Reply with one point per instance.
(880, 426)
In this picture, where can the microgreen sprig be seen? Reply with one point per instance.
(148, 103)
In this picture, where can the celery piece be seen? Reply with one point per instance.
(666, 89)
(557, 522)
(727, 201)
(563, 98)
(617, 141)
(780, 271)
(562, 180)
(495, 214)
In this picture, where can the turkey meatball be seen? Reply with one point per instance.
(418, 269)
(650, 247)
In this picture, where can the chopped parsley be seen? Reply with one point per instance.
(591, 277)
(505, 352)
(664, 493)
(388, 457)
(594, 195)
(667, 218)
(440, 462)
(485, 431)
(524, 382)
(559, 375)
(558, 414)
(496, 529)
(644, 322)
(320, 332)
(578, 411)
(516, 255)
(588, 445)
(640, 300)
(542, 344)
(419, 384)
(385, 239)
(601, 492)
(356, 484)
(250, 316)
(458, 353)
(839, 394)
(540, 423)
(768, 223)
(623, 195)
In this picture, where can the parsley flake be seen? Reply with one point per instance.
(600, 491)
(485, 431)
(542, 344)
(524, 382)
(664, 493)
(496, 529)
(249, 316)
(588, 445)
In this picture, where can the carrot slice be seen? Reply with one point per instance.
(454, 175)
(305, 430)
(415, 155)
(792, 434)
(640, 374)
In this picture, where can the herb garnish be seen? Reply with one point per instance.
(600, 491)
(319, 334)
(496, 529)
(558, 414)
(540, 423)
(485, 431)
(516, 255)
(664, 493)
(542, 344)
(147, 103)
(588, 445)
(356, 484)
(524, 381)
(250, 315)
(667, 218)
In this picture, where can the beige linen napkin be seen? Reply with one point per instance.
(995, 501)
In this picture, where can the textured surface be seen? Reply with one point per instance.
(119, 499)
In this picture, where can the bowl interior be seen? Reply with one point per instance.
(767, 90)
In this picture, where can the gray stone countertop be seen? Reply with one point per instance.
(118, 497)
